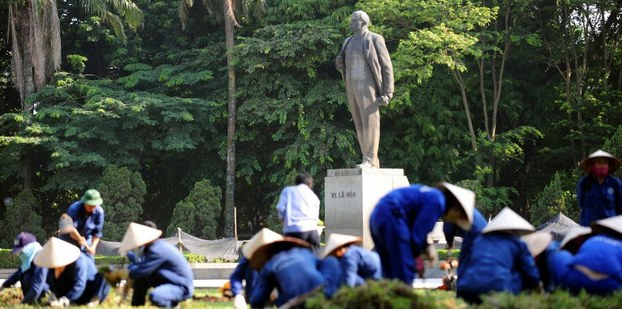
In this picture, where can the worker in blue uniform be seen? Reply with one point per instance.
(358, 264)
(158, 265)
(402, 219)
(597, 266)
(500, 260)
(285, 263)
(598, 192)
(88, 219)
(31, 277)
(242, 280)
(542, 247)
(72, 275)
(468, 236)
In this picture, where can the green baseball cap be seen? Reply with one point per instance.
(92, 197)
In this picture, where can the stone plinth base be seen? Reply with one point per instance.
(351, 194)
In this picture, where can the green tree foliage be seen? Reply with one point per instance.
(613, 144)
(123, 192)
(20, 216)
(198, 212)
(551, 201)
(87, 126)
(298, 121)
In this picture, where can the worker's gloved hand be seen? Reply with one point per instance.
(239, 302)
(430, 254)
(60, 302)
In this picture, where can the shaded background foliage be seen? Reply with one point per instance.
(146, 120)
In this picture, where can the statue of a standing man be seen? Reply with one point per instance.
(368, 76)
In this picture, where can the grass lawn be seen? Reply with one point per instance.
(203, 298)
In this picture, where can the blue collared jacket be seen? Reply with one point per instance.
(598, 201)
(33, 282)
(79, 282)
(164, 262)
(451, 230)
(88, 226)
(359, 264)
(498, 262)
(243, 272)
(292, 272)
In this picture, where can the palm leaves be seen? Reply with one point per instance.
(126, 8)
(36, 43)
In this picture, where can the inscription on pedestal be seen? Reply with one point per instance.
(351, 194)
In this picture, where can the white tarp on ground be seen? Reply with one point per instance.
(558, 226)
(220, 249)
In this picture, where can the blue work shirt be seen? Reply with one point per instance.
(79, 282)
(546, 266)
(243, 271)
(451, 230)
(359, 264)
(399, 226)
(88, 225)
(165, 263)
(292, 272)
(33, 282)
(333, 275)
(601, 254)
(420, 206)
(498, 262)
(598, 201)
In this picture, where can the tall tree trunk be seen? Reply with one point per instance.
(230, 176)
(35, 54)
(467, 111)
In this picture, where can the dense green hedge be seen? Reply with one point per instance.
(191, 257)
(8, 260)
(395, 294)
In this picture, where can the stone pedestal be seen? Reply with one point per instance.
(351, 194)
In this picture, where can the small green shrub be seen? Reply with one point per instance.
(8, 260)
(120, 260)
(384, 294)
(558, 299)
(444, 254)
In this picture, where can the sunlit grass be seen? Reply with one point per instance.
(203, 298)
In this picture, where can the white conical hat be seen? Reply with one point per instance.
(57, 253)
(573, 233)
(465, 197)
(586, 164)
(537, 242)
(137, 235)
(337, 240)
(258, 249)
(613, 224)
(509, 221)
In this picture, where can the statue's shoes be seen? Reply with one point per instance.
(365, 165)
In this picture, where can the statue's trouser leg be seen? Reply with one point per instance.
(366, 121)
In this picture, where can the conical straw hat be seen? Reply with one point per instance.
(613, 224)
(586, 164)
(465, 197)
(337, 240)
(57, 253)
(573, 233)
(260, 247)
(137, 235)
(537, 242)
(508, 221)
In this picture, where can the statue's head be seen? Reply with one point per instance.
(359, 21)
